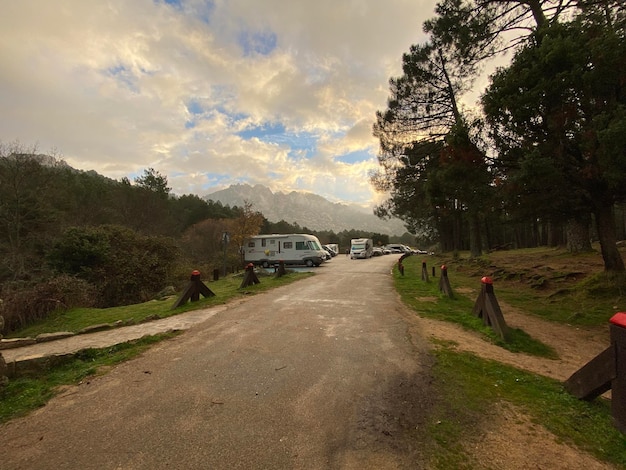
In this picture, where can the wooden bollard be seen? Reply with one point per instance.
(280, 269)
(444, 282)
(618, 385)
(606, 371)
(487, 308)
(194, 288)
(424, 272)
(401, 267)
(249, 277)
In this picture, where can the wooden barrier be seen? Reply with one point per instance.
(606, 371)
(192, 292)
(424, 272)
(487, 308)
(279, 269)
(444, 282)
(249, 277)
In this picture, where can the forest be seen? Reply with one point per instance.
(541, 159)
(76, 238)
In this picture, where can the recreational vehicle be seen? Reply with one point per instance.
(293, 248)
(361, 248)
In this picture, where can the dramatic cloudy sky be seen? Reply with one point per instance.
(208, 93)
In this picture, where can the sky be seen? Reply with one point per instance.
(208, 93)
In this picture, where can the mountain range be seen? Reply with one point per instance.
(306, 209)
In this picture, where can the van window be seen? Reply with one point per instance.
(302, 246)
(263, 242)
(288, 245)
(250, 244)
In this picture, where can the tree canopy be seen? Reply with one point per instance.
(550, 149)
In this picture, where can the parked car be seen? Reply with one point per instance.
(377, 251)
(330, 251)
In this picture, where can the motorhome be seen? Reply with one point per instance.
(361, 248)
(293, 249)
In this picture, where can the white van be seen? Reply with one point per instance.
(361, 248)
(293, 248)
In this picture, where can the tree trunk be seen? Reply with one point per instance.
(475, 239)
(578, 239)
(605, 224)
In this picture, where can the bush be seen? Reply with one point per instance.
(24, 304)
(125, 266)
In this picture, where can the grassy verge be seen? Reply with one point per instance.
(26, 393)
(225, 290)
(470, 387)
(548, 282)
(425, 298)
(471, 390)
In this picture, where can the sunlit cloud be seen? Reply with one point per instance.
(209, 93)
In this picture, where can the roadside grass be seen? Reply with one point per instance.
(225, 290)
(469, 388)
(426, 299)
(30, 391)
(548, 282)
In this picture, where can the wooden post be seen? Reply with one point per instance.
(618, 386)
(444, 282)
(249, 277)
(400, 267)
(424, 272)
(192, 292)
(280, 269)
(606, 371)
(487, 308)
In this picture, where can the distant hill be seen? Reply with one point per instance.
(306, 209)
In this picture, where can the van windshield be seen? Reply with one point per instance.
(314, 245)
(359, 246)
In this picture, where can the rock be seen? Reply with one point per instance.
(151, 318)
(4, 372)
(43, 337)
(94, 328)
(166, 293)
(16, 342)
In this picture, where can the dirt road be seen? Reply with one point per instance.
(326, 373)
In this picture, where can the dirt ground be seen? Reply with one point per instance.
(512, 440)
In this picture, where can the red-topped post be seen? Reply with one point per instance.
(606, 371)
(194, 288)
(487, 308)
(250, 277)
(444, 282)
(618, 385)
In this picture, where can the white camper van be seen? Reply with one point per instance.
(361, 248)
(293, 248)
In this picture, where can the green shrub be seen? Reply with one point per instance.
(24, 304)
(125, 267)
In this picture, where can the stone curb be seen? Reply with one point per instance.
(11, 343)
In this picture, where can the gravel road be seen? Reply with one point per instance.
(330, 372)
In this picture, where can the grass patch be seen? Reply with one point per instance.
(548, 282)
(28, 392)
(469, 387)
(426, 299)
(225, 290)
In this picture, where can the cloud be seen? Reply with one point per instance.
(188, 86)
